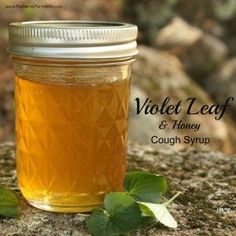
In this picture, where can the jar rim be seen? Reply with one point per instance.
(71, 23)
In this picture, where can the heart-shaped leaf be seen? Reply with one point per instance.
(145, 187)
(121, 215)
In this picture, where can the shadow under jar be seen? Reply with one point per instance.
(72, 83)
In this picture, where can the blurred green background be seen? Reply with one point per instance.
(187, 49)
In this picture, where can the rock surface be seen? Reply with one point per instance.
(222, 84)
(178, 34)
(200, 52)
(157, 75)
(207, 180)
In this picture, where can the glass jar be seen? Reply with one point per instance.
(72, 82)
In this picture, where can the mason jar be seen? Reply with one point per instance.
(72, 85)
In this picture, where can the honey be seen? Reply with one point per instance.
(71, 141)
(72, 83)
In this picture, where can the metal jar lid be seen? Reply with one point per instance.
(73, 39)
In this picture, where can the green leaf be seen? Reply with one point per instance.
(145, 186)
(124, 212)
(98, 223)
(141, 205)
(9, 204)
(121, 215)
(161, 213)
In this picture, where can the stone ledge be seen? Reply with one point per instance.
(207, 180)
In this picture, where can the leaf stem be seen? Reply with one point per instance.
(172, 199)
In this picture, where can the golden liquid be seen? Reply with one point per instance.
(71, 142)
